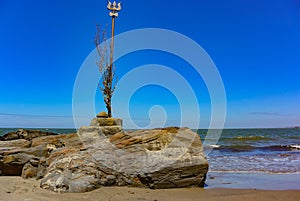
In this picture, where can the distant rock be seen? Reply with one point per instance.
(25, 134)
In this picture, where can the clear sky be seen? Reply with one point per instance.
(255, 45)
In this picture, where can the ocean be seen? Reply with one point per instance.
(255, 151)
(267, 159)
(247, 158)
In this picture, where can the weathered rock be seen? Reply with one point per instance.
(13, 161)
(107, 156)
(21, 143)
(111, 130)
(28, 158)
(102, 115)
(67, 140)
(159, 158)
(108, 126)
(75, 172)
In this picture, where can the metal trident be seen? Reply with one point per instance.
(114, 8)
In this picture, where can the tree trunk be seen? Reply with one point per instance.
(108, 107)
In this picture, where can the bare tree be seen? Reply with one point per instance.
(106, 67)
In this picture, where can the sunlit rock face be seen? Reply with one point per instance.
(104, 155)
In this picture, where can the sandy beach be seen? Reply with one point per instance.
(18, 189)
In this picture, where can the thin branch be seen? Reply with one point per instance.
(107, 70)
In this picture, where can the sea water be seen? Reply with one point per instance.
(255, 150)
(254, 158)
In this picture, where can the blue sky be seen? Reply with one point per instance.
(255, 45)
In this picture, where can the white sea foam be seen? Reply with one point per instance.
(215, 145)
(295, 146)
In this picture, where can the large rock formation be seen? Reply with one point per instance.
(28, 154)
(101, 155)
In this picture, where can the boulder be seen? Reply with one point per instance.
(159, 158)
(12, 161)
(98, 156)
(28, 158)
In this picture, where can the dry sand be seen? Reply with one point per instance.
(17, 189)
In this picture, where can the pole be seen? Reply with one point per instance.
(111, 50)
(114, 8)
(112, 46)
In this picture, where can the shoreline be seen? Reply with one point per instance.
(253, 180)
(17, 189)
(232, 185)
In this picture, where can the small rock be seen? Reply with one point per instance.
(110, 180)
(102, 115)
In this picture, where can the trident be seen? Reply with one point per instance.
(114, 8)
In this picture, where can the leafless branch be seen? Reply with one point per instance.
(108, 78)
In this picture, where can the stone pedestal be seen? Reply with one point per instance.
(109, 126)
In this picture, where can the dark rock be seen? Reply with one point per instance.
(11, 169)
(110, 180)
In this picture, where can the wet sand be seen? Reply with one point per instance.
(261, 181)
(17, 189)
